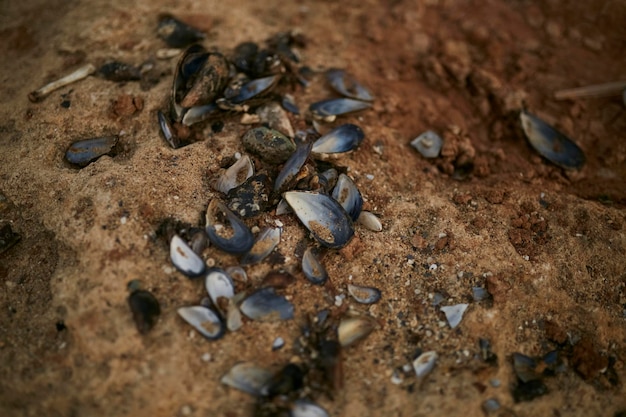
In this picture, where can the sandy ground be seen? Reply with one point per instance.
(549, 245)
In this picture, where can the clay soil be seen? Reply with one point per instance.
(548, 245)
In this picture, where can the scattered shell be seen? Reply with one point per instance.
(119, 71)
(166, 129)
(323, 216)
(269, 145)
(84, 152)
(252, 197)
(235, 175)
(353, 329)
(454, 314)
(429, 144)
(337, 107)
(145, 309)
(550, 143)
(370, 221)
(344, 138)
(266, 305)
(278, 279)
(265, 243)
(347, 86)
(237, 273)
(525, 367)
(425, 363)
(185, 259)
(313, 268)
(233, 316)
(329, 178)
(254, 88)
(247, 377)
(364, 295)
(199, 114)
(198, 240)
(278, 343)
(79, 74)
(289, 379)
(347, 194)
(220, 288)
(204, 320)
(241, 240)
(292, 167)
(283, 207)
(276, 118)
(289, 104)
(176, 33)
(7, 238)
(479, 294)
(305, 408)
(244, 56)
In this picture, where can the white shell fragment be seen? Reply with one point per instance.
(454, 314)
(233, 316)
(304, 408)
(247, 377)
(278, 343)
(370, 221)
(219, 286)
(364, 295)
(235, 175)
(323, 216)
(185, 259)
(425, 363)
(353, 329)
(428, 144)
(265, 243)
(204, 320)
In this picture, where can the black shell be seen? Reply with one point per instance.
(176, 33)
(83, 152)
(337, 107)
(242, 238)
(145, 309)
(119, 72)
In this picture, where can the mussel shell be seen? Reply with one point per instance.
(425, 363)
(219, 285)
(266, 305)
(199, 114)
(204, 86)
(275, 117)
(525, 367)
(347, 194)
(313, 269)
(250, 198)
(254, 89)
(429, 144)
(265, 243)
(119, 72)
(550, 143)
(84, 152)
(8, 238)
(289, 104)
(242, 238)
(346, 85)
(247, 377)
(291, 168)
(353, 329)
(236, 174)
(268, 144)
(341, 139)
(198, 240)
(364, 295)
(244, 56)
(337, 107)
(145, 308)
(323, 217)
(305, 408)
(185, 259)
(454, 314)
(204, 320)
(176, 33)
(289, 379)
(168, 133)
(370, 221)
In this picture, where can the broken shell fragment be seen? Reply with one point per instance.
(268, 144)
(347, 194)
(429, 144)
(235, 175)
(220, 288)
(454, 314)
(346, 85)
(145, 309)
(177, 34)
(265, 243)
(305, 408)
(254, 88)
(204, 320)
(199, 114)
(185, 259)
(250, 198)
(84, 152)
(266, 305)
(425, 363)
(313, 269)
(119, 72)
(233, 316)
(323, 216)
(344, 138)
(353, 329)
(364, 295)
(550, 143)
(237, 273)
(370, 221)
(274, 116)
(289, 104)
(292, 167)
(247, 377)
(167, 131)
(79, 74)
(241, 239)
(337, 107)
